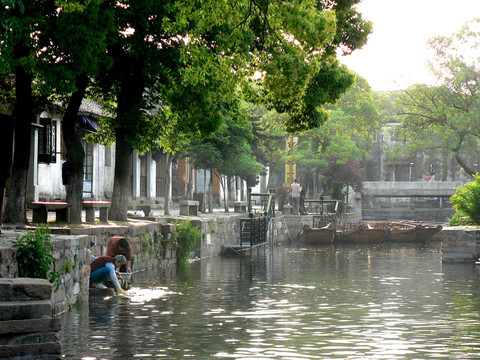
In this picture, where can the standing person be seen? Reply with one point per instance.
(303, 196)
(295, 196)
(103, 268)
(281, 193)
(118, 245)
(432, 172)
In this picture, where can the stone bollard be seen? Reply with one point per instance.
(189, 207)
(287, 209)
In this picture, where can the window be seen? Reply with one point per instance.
(47, 141)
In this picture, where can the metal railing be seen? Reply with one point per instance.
(254, 230)
(322, 217)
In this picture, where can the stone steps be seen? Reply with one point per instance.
(28, 329)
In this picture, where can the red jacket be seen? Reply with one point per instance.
(113, 250)
(100, 262)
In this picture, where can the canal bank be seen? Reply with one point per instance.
(33, 334)
(150, 242)
(151, 250)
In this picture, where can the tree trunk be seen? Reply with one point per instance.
(75, 151)
(6, 148)
(224, 184)
(228, 195)
(204, 207)
(129, 99)
(210, 195)
(15, 207)
(464, 165)
(121, 185)
(168, 171)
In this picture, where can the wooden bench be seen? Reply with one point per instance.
(189, 207)
(240, 206)
(41, 209)
(91, 205)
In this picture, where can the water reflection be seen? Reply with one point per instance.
(347, 302)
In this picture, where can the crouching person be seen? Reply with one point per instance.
(103, 268)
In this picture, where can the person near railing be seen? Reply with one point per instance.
(281, 194)
(295, 188)
(303, 197)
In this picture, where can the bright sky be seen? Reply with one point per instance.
(395, 55)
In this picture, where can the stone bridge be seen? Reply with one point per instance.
(416, 200)
(409, 188)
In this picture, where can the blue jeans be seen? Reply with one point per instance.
(100, 275)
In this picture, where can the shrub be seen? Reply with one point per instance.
(34, 255)
(184, 239)
(466, 202)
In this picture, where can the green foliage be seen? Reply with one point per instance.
(344, 139)
(466, 202)
(34, 255)
(184, 238)
(153, 246)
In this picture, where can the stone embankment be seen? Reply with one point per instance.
(460, 244)
(29, 307)
(28, 328)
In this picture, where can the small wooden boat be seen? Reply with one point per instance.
(412, 231)
(323, 235)
(364, 233)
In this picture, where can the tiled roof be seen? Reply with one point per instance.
(92, 108)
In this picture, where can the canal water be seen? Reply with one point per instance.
(292, 302)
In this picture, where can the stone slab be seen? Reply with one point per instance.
(10, 351)
(20, 310)
(33, 288)
(29, 325)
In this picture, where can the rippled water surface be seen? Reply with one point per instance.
(349, 302)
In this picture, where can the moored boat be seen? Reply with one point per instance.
(363, 233)
(322, 235)
(412, 231)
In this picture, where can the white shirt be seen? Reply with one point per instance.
(296, 190)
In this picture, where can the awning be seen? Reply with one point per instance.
(89, 124)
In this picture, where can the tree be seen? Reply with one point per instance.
(466, 202)
(66, 50)
(346, 136)
(446, 116)
(185, 59)
(19, 49)
(344, 175)
(268, 143)
(191, 56)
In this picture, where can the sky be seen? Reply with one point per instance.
(395, 55)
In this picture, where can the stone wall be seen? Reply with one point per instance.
(75, 246)
(460, 244)
(28, 328)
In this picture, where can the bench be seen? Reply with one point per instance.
(240, 206)
(41, 209)
(91, 205)
(189, 207)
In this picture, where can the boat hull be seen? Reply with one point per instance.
(325, 235)
(363, 236)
